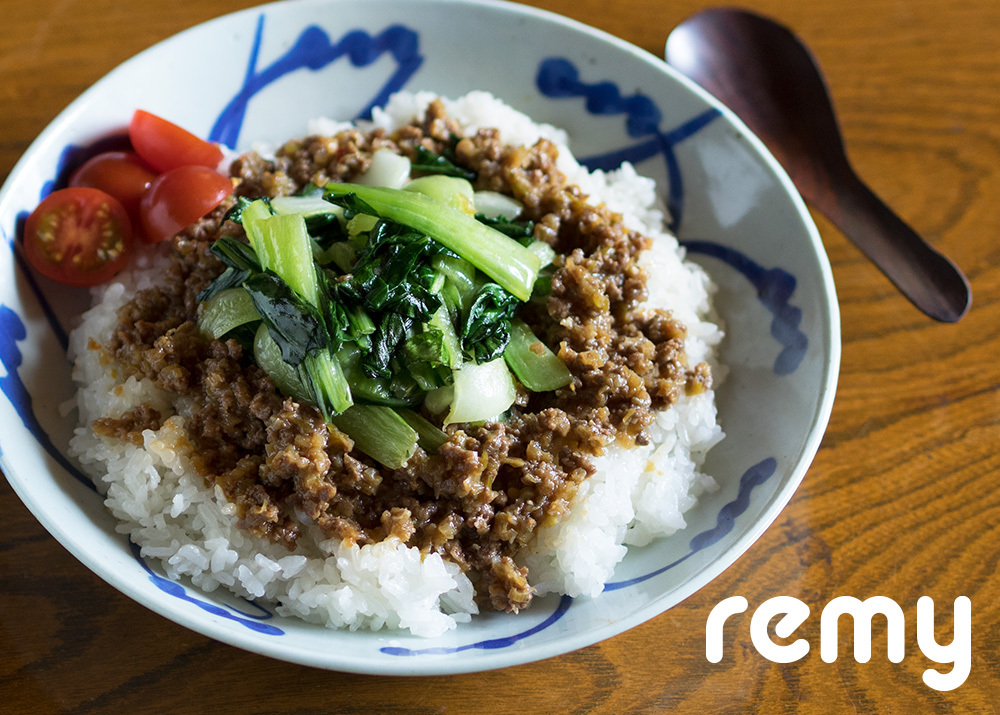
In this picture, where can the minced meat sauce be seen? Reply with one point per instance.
(482, 496)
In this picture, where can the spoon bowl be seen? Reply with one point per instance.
(764, 73)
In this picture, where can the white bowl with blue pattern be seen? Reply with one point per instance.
(271, 68)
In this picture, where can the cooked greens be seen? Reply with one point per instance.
(371, 302)
(444, 163)
(506, 261)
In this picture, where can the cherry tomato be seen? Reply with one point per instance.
(178, 198)
(119, 173)
(78, 236)
(166, 146)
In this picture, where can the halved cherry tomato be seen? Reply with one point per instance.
(166, 146)
(119, 173)
(178, 198)
(78, 236)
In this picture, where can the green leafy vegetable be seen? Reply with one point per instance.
(536, 366)
(235, 254)
(287, 295)
(452, 191)
(368, 301)
(504, 260)
(432, 163)
(227, 310)
(323, 219)
(428, 436)
(240, 262)
(380, 433)
(267, 355)
(235, 214)
(478, 393)
(486, 324)
(295, 325)
(391, 285)
(521, 231)
(282, 245)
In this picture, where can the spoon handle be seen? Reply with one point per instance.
(926, 277)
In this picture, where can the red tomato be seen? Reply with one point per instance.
(119, 173)
(166, 146)
(78, 236)
(178, 198)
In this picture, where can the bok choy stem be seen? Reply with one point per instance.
(429, 436)
(283, 247)
(536, 366)
(225, 311)
(379, 432)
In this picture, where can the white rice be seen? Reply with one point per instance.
(636, 494)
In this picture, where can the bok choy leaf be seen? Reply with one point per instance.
(501, 258)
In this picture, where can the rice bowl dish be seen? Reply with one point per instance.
(730, 204)
(634, 494)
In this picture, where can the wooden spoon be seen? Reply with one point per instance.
(762, 72)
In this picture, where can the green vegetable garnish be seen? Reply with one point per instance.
(431, 163)
(501, 258)
(536, 366)
(368, 302)
(227, 310)
(486, 324)
(380, 433)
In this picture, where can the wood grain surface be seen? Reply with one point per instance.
(903, 499)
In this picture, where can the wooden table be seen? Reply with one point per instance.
(902, 501)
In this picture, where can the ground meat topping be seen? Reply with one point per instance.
(130, 426)
(482, 496)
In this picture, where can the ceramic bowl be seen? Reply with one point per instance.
(275, 66)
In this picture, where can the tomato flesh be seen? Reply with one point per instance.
(165, 146)
(82, 235)
(119, 173)
(178, 198)
(78, 236)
